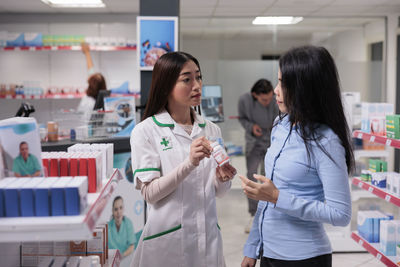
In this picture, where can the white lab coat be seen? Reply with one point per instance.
(182, 228)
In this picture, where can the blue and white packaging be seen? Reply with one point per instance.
(379, 179)
(76, 195)
(58, 196)
(388, 238)
(15, 39)
(27, 197)
(365, 225)
(42, 197)
(3, 183)
(33, 39)
(12, 198)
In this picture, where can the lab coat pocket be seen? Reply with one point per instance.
(157, 248)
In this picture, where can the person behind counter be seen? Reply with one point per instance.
(25, 164)
(175, 173)
(96, 83)
(307, 166)
(121, 234)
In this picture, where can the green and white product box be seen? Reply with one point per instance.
(393, 126)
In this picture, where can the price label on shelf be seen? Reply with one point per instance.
(54, 48)
(387, 198)
(388, 142)
(360, 242)
(359, 136)
(379, 256)
(370, 189)
(372, 139)
(31, 48)
(360, 184)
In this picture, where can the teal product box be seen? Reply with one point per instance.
(57, 197)
(33, 39)
(12, 197)
(76, 195)
(15, 39)
(27, 197)
(42, 197)
(3, 184)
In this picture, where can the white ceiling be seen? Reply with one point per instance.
(232, 19)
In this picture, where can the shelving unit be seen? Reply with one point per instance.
(25, 229)
(379, 192)
(373, 249)
(60, 96)
(66, 48)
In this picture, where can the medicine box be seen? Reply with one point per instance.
(76, 195)
(57, 192)
(393, 126)
(3, 183)
(11, 195)
(27, 197)
(42, 197)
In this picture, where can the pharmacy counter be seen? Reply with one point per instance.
(121, 144)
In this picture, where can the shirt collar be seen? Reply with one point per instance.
(164, 119)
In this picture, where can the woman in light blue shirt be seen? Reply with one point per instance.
(307, 166)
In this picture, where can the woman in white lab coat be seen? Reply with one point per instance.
(175, 173)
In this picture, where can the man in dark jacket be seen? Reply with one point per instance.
(257, 111)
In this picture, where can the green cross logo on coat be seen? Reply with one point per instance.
(166, 143)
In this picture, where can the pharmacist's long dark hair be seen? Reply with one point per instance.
(311, 91)
(165, 75)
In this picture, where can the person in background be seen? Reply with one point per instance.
(257, 111)
(307, 166)
(121, 234)
(173, 169)
(26, 164)
(96, 82)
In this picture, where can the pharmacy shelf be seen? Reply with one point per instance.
(377, 191)
(377, 139)
(374, 250)
(361, 153)
(60, 228)
(114, 258)
(66, 48)
(59, 96)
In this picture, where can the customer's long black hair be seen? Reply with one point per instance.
(311, 91)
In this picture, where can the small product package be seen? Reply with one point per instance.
(219, 153)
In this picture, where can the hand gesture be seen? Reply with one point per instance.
(257, 130)
(248, 262)
(266, 190)
(226, 172)
(199, 149)
(85, 48)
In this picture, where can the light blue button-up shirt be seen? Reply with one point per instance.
(312, 191)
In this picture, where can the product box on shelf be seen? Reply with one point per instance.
(387, 240)
(76, 195)
(11, 196)
(57, 193)
(27, 197)
(15, 39)
(393, 126)
(95, 245)
(78, 248)
(33, 39)
(29, 253)
(373, 117)
(379, 179)
(3, 183)
(377, 165)
(42, 197)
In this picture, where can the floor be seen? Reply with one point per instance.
(233, 216)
